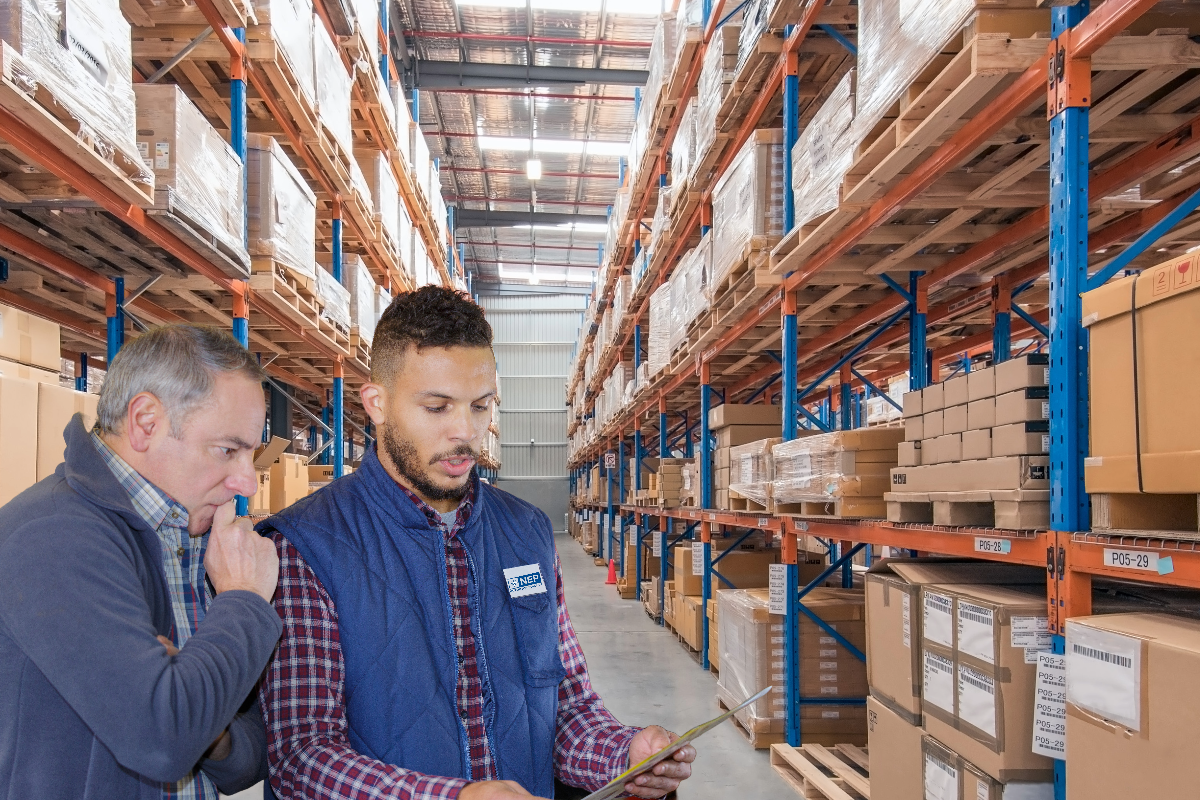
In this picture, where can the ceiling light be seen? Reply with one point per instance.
(567, 146)
(533, 168)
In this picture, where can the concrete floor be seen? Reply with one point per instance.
(646, 678)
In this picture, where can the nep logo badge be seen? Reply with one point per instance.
(525, 580)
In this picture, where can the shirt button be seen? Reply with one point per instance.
(179, 552)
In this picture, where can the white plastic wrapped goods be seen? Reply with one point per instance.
(679, 302)
(620, 300)
(367, 21)
(404, 237)
(824, 153)
(282, 209)
(662, 47)
(752, 468)
(79, 52)
(683, 150)
(819, 468)
(716, 73)
(896, 41)
(755, 18)
(748, 200)
(197, 175)
(385, 194)
(383, 300)
(403, 120)
(291, 24)
(658, 349)
(750, 656)
(336, 298)
(362, 297)
(333, 84)
(420, 159)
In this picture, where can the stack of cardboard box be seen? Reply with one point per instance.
(666, 481)
(842, 474)
(627, 582)
(753, 657)
(975, 449)
(952, 663)
(737, 425)
(689, 490)
(751, 469)
(744, 569)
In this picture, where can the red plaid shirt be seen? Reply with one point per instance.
(304, 703)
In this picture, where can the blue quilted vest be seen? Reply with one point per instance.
(384, 566)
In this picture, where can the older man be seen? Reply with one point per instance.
(121, 675)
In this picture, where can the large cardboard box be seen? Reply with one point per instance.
(993, 474)
(934, 424)
(56, 406)
(894, 749)
(933, 398)
(18, 436)
(981, 384)
(29, 340)
(894, 619)
(1018, 373)
(11, 369)
(908, 454)
(954, 419)
(689, 620)
(745, 414)
(1132, 706)
(1158, 382)
(1023, 405)
(948, 448)
(977, 445)
(946, 775)
(979, 649)
(914, 429)
(733, 435)
(289, 481)
(745, 569)
(981, 414)
(1021, 439)
(955, 392)
(911, 404)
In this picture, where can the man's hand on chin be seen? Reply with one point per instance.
(493, 790)
(665, 777)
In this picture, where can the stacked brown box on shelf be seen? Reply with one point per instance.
(751, 470)
(651, 565)
(951, 659)
(689, 490)
(842, 474)
(742, 568)
(752, 657)
(714, 632)
(736, 425)
(666, 481)
(975, 449)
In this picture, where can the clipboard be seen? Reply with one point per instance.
(616, 787)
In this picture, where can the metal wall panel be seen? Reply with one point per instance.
(526, 360)
(533, 393)
(542, 327)
(523, 461)
(531, 302)
(543, 427)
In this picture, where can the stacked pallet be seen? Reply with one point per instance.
(975, 449)
(840, 474)
(745, 568)
(666, 482)
(734, 426)
(752, 471)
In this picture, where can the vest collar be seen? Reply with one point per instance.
(398, 505)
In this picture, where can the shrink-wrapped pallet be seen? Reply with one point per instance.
(282, 210)
(755, 17)
(333, 85)
(716, 73)
(79, 53)
(420, 159)
(404, 238)
(640, 269)
(751, 469)
(620, 301)
(683, 150)
(292, 25)
(384, 193)
(679, 303)
(824, 153)
(659, 347)
(361, 285)
(197, 175)
(366, 13)
(335, 298)
(402, 122)
(843, 465)
(658, 62)
(383, 301)
(748, 201)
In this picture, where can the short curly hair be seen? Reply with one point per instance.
(432, 316)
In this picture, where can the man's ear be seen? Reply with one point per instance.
(374, 400)
(144, 417)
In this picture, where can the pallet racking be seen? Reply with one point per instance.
(860, 294)
(229, 65)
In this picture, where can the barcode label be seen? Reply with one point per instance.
(939, 623)
(1104, 674)
(939, 681)
(976, 632)
(1101, 655)
(697, 559)
(977, 699)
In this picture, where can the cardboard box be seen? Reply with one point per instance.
(1167, 379)
(1132, 706)
(260, 503)
(733, 435)
(1019, 373)
(911, 404)
(981, 414)
(740, 414)
(976, 445)
(1021, 439)
(979, 648)
(909, 454)
(934, 423)
(954, 419)
(932, 398)
(894, 750)
(745, 569)
(1023, 405)
(18, 435)
(979, 786)
(688, 620)
(954, 392)
(994, 474)
(11, 369)
(981, 384)
(948, 448)
(894, 619)
(927, 449)
(289, 481)
(914, 429)
(29, 340)
(56, 406)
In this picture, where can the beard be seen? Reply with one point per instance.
(403, 454)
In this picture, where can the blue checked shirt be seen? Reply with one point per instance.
(183, 563)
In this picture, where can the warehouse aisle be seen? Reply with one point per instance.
(645, 678)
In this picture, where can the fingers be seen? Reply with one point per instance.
(225, 516)
(172, 650)
(648, 786)
(686, 754)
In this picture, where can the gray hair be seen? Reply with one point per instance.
(177, 364)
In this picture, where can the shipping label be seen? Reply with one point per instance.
(1050, 707)
(939, 620)
(941, 779)
(977, 699)
(939, 681)
(976, 632)
(1104, 674)
(698, 559)
(777, 582)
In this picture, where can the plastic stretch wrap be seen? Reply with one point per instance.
(662, 46)
(292, 28)
(755, 17)
(640, 268)
(383, 299)
(282, 209)
(420, 159)
(679, 303)
(366, 14)
(403, 120)
(333, 88)
(702, 276)
(896, 41)
(683, 151)
(89, 77)
(752, 468)
(880, 410)
(336, 297)
(659, 347)
(749, 659)
(662, 215)
(360, 184)
(604, 335)
(689, 24)
(384, 192)
(404, 237)
(620, 300)
(643, 375)
(362, 296)
(196, 173)
(819, 468)
(716, 73)
(824, 153)
(748, 200)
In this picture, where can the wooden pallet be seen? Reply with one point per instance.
(278, 288)
(834, 508)
(1017, 509)
(817, 772)
(1161, 516)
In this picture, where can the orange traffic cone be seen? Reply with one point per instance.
(612, 573)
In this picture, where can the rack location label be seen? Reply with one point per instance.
(985, 544)
(1141, 560)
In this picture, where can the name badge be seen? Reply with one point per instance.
(525, 580)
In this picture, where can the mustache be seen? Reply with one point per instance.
(457, 452)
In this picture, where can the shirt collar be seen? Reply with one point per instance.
(151, 503)
(431, 514)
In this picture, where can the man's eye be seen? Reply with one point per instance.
(480, 408)
(228, 451)
(435, 409)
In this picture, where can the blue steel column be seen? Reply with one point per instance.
(335, 258)
(1001, 321)
(325, 412)
(339, 427)
(706, 501)
(1068, 339)
(237, 123)
(385, 45)
(639, 522)
(665, 523)
(621, 499)
(844, 399)
(81, 377)
(116, 321)
(241, 332)
(918, 354)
